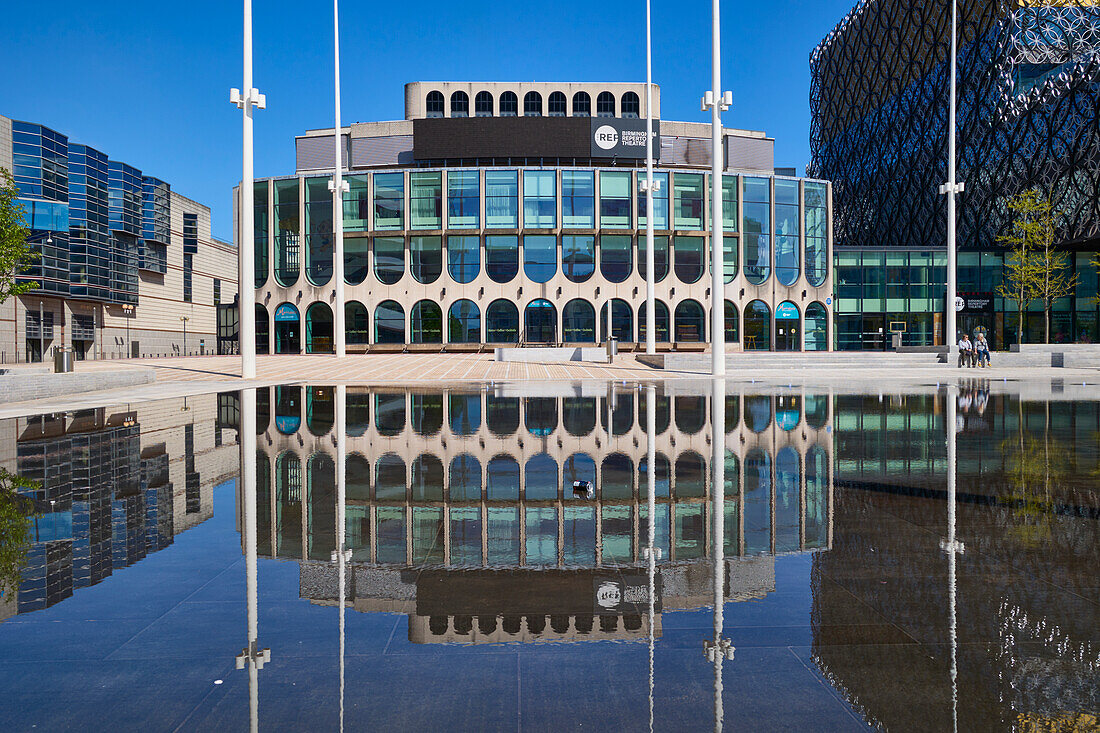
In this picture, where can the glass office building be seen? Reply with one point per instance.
(1027, 97)
(462, 231)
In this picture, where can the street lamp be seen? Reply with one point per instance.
(649, 186)
(339, 187)
(952, 188)
(127, 313)
(185, 319)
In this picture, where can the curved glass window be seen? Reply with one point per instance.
(357, 470)
(464, 323)
(817, 410)
(463, 199)
(578, 415)
(578, 256)
(427, 478)
(465, 478)
(615, 199)
(786, 232)
(817, 327)
(460, 104)
(660, 201)
(501, 415)
(389, 478)
(688, 259)
(729, 258)
(577, 467)
(427, 413)
(690, 321)
(321, 510)
(358, 416)
(260, 223)
(540, 322)
(582, 105)
(687, 200)
(758, 326)
(732, 321)
(509, 104)
(555, 104)
(540, 257)
(617, 478)
(787, 500)
(540, 415)
(532, 104)
(356, 203)
(578, 199)
(540, 478)
(319, 329)
(434, 103)
(622, 321)
(426, 199)
(788, 411)
(817, 231)
(464, 413)
(730, 220)
(483, 104)
(319, 245)
(389, 416)
(816, 526)
(690, 475)
(540, 203)
(660, 481)
(389, 259)
(758, 509)
(502, 257)
(691, 413)
(733, 416)
(389, 323)
(662, 412)
(622, 413)
(426, 258)
(660, 258)
(502, 199)
(356, 260)
(502, 479)
(288, 409)
(427, 323)
(502, 322)
(787, 327)
(757, 229)
(660, 319)
(578, 322)
(320, 410)
(758, 412)
(287, 234)
(263, 330)
(356, 323)
(463, 257)
(616, 257)
(287, 335)
(389, 200)
(605, 104)
(631, 108)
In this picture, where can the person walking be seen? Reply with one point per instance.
(966, 352)
(982, 348)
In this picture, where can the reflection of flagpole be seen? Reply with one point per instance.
(953, 548)
(251, 656)
(341, 552)
(720, 648)
(651, 508)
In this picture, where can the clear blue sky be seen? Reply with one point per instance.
(148, 83)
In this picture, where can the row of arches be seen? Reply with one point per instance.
(787, 329)
(507, 105)
(464, 414)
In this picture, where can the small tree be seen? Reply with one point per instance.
(1019, 272)
(1052, 277)
(16, 511)
(15, 255)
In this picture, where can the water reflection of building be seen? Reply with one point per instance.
(477, 484)
(115, 484)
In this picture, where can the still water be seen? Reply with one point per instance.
(555, 558)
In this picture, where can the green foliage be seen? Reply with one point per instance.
(15, 255)
(15, 529)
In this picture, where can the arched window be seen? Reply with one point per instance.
(389, 414)
(389, 323)
(788, 411)
(817, 327)
(578, 256)
(427, 413)
(660, 481)
(540, 415)
(578, 415)
(757, 229)
(358, 417)
(288, 251)
(263, 330)
(287, 333)
(356, 263)
(319, 329)
(816, 224)
(502, 479)
(426, 258)
(501, 257)
(501, 415)
(427, 478)
(577, 467)
(540, 322)
(690, 475)
(460, 104)
(483, 105)
(817, 410)
(319, 240)
(502, 322)
(787, 227)
(691, 413)
(788, 502)
(758, 412)
(622, 321)
(509, 104)
(605, 105)
(688, 259)
(389, 259)
(320, 410)
(532, 104)
(578, 322)
(661, 409)
(390, 477)
(631, 108)
(463, 257)
(540, 256)
(758, 505)
(288, 409)
(616, 257)
(690, 321)
(464, 323)
(540, 476)
(816, 502)
(464, 413)
(356, 323)
(660, 257)
(617, 479)
(660, 318)
(427, 323)
(758, 326)
(732, 321)
(787, 327)
(582, 105)
(433, 105)
(465, 479)
(555, 105)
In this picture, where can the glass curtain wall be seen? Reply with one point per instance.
(389, 259)
(501, 257)
(615, 199)
(757, 229)
(578, 199)
(287, 233)
(688, 200)
(463, 199)
(389, 200)
(501, 199)
(540, 204)
(463, 257)
(816, 227)
(260, 217)
(660, 201)
(426, 199)
(787, 227)
(319, 244)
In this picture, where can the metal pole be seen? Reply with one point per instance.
(953, 547)
(41, 331)
(251, 657)
(337, 196)
(651, 509)
(650, 277)
(952, 188)
(246, 251)
(718, 331)
(341, 523)
(718, 492)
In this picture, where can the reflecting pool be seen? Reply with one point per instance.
(613, 556)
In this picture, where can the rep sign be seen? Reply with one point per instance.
(614, 137)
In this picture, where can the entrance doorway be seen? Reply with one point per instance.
(287, 330)
(788, 333)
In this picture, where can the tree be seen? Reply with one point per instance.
(15, 255)
(15, 529)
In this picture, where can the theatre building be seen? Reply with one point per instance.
(505, 213)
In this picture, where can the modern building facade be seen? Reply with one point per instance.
(505, 213)
(126, 266)
(1028, 91)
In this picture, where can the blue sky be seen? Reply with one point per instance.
(148, 83)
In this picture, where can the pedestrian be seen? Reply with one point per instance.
(982, 348)
(966, 352)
